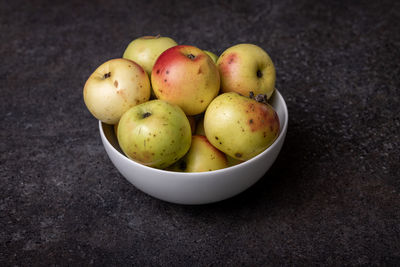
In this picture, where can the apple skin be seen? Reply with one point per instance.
(185, 76)
(200, 131)
(146, 49)
(154, 133)
(213, 56)
(114, 87)
(202, 157)
(246, 67)
(239, 126)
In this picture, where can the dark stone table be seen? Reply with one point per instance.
(331, 198)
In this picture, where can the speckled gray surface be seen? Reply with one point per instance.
(331, 198)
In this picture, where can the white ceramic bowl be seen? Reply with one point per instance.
(201, 187)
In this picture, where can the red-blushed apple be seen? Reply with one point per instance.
(246, 67)
(154, 133)
(202, 157)
(240, 126)
(114, 87)
(146, 49)
(186, 76)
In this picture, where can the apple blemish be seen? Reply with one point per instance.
(146, 114)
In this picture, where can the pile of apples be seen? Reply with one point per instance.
(181, 108)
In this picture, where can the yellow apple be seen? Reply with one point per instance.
(246, 67)
(114, 87)
(239, 126)
(145, 50)
(201, 157)
(186, 76)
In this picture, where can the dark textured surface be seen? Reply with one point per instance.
(332, 197)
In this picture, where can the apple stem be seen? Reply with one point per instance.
(259, 74)
(261, 98)
(191, 56)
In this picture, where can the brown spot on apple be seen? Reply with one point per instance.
(231, 58)
(262, 117)
(116, 84)
(199, 71)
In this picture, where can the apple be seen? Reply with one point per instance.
(202, 157)
(154, 133)
(186, 76)
(213, 56)
(146, 49)
(114, 87)
(246, 67)
(200, 131)
(240, 126)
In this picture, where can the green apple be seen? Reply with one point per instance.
(145, 50)
(246, 67)
(202, 157)
(154, 133)
(213, 56)
(114, 87)
(186, 76)
(239, 126)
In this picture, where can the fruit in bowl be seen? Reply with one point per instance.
(213, 126)
(146, 49)
(193, 188)
(186, 76)
(154, 133)
(239, 126)
(246, 68)
(114, 87)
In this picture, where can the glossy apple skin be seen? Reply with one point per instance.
(154, 133)
(239, 126)
(246, 67)
(146, 49)
(202, 157)
(185, 76)
(114, 87)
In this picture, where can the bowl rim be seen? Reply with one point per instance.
(281, 135)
